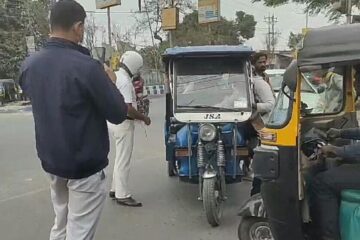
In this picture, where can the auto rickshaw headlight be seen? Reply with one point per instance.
(207, 132)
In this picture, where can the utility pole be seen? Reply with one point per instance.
(51, 3)
(271, 35)
(307, 19)
(268, 41)
(109, 25)
(348, 11)
(152, 40)
(171, 36)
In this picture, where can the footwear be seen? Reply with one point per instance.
(130, 202)
(112, 194)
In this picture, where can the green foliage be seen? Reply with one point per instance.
(313, 6)
(246, 24)
(151, 57)
(18, 19)
(294, 40)
(190, 32)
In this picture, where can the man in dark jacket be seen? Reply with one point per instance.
(72, 97)
(326, 187)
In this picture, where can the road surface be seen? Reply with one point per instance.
(170, 209)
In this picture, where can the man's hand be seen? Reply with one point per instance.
(329, 151)
(254, 107)
(147, 121)
(333, 133)
(110, 73)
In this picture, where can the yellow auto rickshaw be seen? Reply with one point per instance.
(317, 94)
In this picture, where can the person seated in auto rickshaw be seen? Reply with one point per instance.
(331, 90)
(326, 187)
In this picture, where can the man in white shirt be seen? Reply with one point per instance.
(130, 64)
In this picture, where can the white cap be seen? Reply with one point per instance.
(133, 61)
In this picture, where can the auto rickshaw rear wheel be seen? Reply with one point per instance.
(212, 201)
(254, 228)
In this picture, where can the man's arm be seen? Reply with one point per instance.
(105, 95)
(350, 133)
(349, 152)
(135, 114)
(265, 95)
(127, 91)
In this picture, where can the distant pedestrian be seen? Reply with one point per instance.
(72, 96)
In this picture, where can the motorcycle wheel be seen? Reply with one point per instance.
(212, 201)
(254, 228)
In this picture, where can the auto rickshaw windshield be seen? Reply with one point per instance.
(322, 93)
(211, 82)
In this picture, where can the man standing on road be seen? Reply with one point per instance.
(130, 64)
(72, 97)
(264, 102)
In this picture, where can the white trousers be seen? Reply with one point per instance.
(124, 139)
(78, 204)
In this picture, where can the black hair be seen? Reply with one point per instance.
(257, 56)
(65, 13)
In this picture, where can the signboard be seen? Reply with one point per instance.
(209, 11)
(101, 4)
(30, 44)
(170, 18)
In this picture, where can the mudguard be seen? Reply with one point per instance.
(253, 207)
(209, 174)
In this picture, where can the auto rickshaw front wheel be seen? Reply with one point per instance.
(171, 168)
(254, 228)
(212, 201)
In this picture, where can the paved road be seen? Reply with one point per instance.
(170, 210)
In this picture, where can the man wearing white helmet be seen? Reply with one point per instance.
(130, 64)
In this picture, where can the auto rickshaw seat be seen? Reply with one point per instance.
(350, 214)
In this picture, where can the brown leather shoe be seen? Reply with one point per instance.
(130, 202)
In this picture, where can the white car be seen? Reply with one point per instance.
(276, 78)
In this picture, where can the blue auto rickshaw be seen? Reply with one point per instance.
(208, 107)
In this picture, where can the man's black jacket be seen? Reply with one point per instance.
(72, 97)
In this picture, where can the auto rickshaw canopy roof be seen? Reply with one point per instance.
(211, 50)
(335, 44)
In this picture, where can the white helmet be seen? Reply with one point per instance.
(133, 61)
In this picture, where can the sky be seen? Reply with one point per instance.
(291, 18)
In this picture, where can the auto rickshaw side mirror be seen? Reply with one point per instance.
(290, 76)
